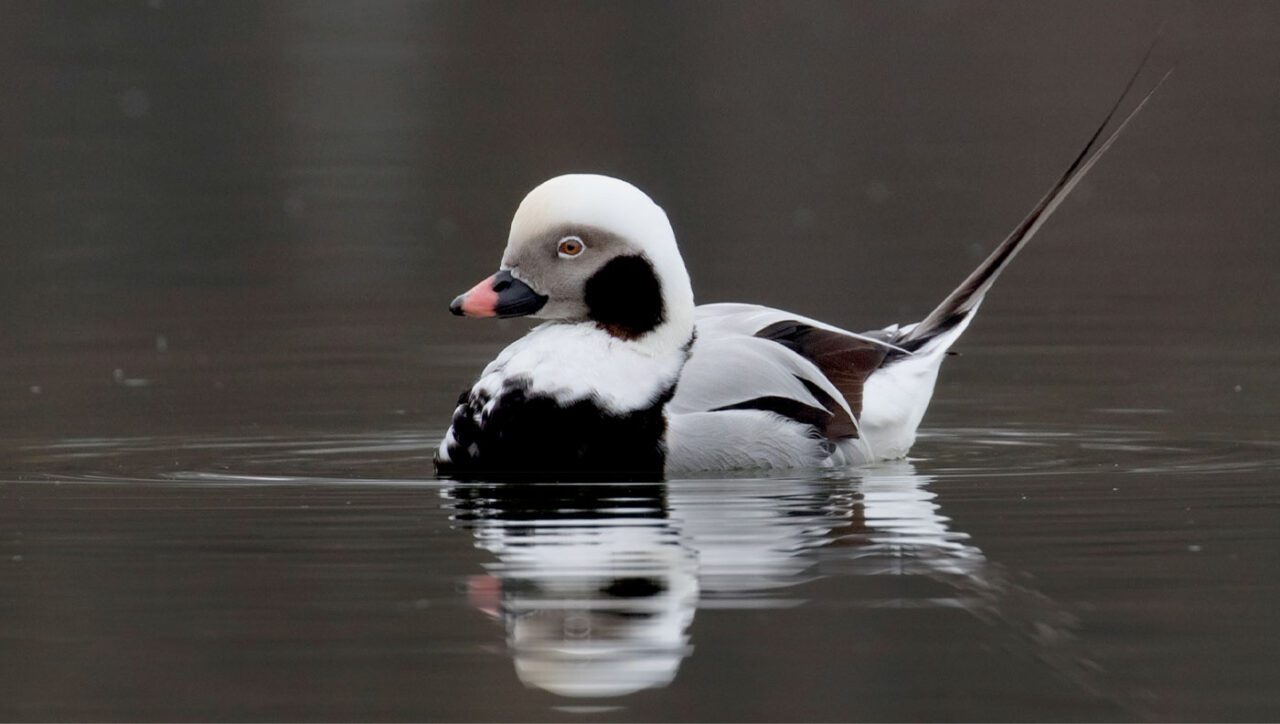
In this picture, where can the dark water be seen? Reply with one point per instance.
(230, 232)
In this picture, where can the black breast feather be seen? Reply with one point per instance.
(531, 436)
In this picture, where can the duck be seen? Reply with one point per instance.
(628, 379)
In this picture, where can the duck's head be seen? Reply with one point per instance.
(591, 249)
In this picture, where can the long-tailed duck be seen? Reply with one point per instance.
(628, 379)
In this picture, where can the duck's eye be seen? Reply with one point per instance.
(570, 246)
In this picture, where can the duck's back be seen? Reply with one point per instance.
(767, 388)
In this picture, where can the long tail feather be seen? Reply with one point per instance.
(960, 303)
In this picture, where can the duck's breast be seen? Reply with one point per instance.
(562, 404)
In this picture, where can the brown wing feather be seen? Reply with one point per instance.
(846, 361)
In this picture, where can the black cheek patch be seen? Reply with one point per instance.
(625, 297)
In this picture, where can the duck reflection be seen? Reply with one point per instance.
(597, 585)
(594, 584)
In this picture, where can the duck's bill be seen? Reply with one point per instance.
(501, 295)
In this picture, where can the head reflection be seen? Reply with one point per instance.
(592, 582)
(597, 585)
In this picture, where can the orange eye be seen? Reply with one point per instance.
(570, 246)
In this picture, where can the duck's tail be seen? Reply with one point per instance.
(945, 323)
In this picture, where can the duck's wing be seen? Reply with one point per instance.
(748, 357)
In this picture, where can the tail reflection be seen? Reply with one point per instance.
(597, 585)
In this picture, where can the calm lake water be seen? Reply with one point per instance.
(231, 233)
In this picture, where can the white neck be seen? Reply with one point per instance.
(676, 330)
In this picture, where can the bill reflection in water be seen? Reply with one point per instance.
(594, 583)
(597, 585)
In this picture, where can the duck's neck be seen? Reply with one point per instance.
(674, 334)
(644, 302)
(673, 337)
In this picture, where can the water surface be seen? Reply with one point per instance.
(231, 233)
